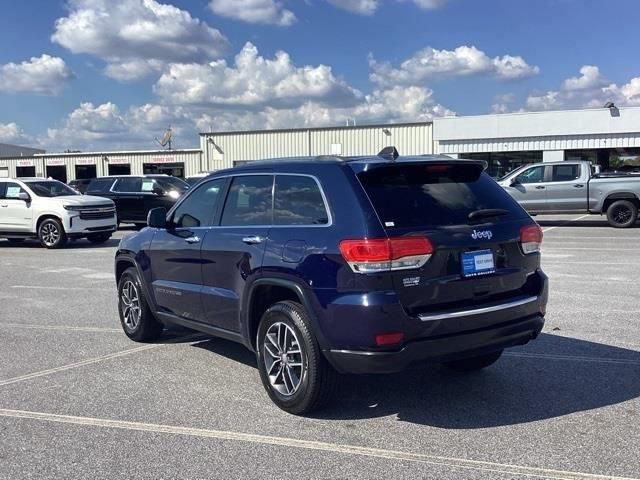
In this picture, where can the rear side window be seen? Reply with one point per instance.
(565, 173)
(129, 185)
(298, 201)
(100, 185)
(433, 195)
(249, 201)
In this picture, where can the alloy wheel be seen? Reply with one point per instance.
(50, 234)
(283, 359)
(130, 305)
(621, 215)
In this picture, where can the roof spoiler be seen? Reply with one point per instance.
(389, 153)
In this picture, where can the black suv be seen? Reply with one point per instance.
(350, 265)
(135, 195)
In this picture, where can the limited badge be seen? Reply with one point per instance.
(411, 281)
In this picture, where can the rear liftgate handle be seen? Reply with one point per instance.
(253, 240)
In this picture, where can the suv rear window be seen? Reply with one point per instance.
(431, 195)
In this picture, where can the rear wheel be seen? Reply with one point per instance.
(474, 363)
(98, 237)
(622, 214)
(292, 368)
(136, 317)
(51, 233)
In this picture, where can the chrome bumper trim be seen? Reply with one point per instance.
(476, 311)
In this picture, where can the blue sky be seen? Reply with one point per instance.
(112, 74)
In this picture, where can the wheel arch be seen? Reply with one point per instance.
(613, 197)
(46, 216)
(265, 292)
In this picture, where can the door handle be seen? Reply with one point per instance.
(539, 187)
(578, 185)
(253, 240)
(192, 240)
(5, 206)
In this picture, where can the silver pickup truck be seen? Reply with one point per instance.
(574, 187)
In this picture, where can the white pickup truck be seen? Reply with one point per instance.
(574, 187)
(52, 212)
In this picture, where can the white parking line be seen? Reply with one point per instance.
(548, 229)
(61, 327)
(101, 358)
(49, 287)
(451, 462)
(81, 363)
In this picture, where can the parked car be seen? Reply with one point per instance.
(360, 265)
(572, 187)
(135, 195)
(52, 212)
(80, 184)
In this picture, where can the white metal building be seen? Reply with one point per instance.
(600, 135)
(226, 149)
(68, 166)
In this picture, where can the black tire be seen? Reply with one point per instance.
(622, 214)
(317, 379)
(474, 363)
(51, 233)
(98, 238)
(144, 327)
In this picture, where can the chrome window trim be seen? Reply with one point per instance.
(274, 174)
(477, 311)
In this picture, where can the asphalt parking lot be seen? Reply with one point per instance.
(79, 400)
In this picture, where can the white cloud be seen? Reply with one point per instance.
(44, 75)
(361, 7)
(254, 11)
(136, 37)
(369, 7)
(502, 103)
(12, 133)
(252, 82)
(588, 90)
(430, 63)
(589, 79)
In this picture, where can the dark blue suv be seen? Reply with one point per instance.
(340, 265)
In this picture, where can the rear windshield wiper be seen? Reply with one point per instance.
(486, 213)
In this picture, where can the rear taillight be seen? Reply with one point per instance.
(530, 238)
(386, 254)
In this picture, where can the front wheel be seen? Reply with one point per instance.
(98, 238)
(51, 233)
(622, 214)
(136, 317)
(292, 368)
(474, 363)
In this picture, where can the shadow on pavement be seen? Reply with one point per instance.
(523, 386)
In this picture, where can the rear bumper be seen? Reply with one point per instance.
(438, 349)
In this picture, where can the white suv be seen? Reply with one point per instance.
(52, 212)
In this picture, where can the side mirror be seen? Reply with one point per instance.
(159, 191)
(513, 181)
(24, 196)
(157, 217)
